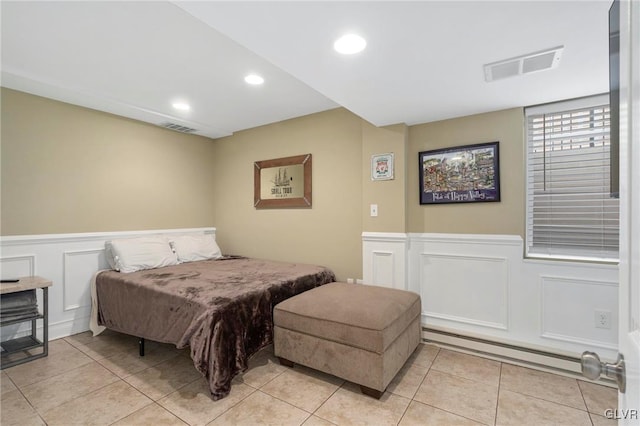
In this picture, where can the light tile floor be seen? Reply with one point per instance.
(101, 380)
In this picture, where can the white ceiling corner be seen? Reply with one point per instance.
(423, 62)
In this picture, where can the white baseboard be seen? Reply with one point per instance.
(550, 362)
(480, 285)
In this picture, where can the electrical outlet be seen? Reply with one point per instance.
(350, 280)
(603, 319)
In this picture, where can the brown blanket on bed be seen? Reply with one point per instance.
(222, 309)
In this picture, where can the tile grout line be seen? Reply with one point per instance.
(88, 354)
(146, 406)
(35, 410)
(283, 401)
(452, 375)
(130, 414)
(551, 402)
(230, 408)
(55, 375)
(149, 396)
(190, 383)
(520, 393)
(133, 374)
(66, 372)
(584, 401)
(286, 402)
(254, 390)
(495, 417)
(82, 396)
(325, 401)
(171, 413)
(21, 392)
(418, 388)
(310, 414)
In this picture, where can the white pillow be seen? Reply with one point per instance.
(136, 254)
(190, 248)
(111, 258)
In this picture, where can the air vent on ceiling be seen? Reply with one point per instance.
(177, 127)
(537, 61)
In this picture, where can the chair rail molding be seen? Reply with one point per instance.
(384, 259)
(69, 261)
(481, 285)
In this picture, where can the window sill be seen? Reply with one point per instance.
(537, 257)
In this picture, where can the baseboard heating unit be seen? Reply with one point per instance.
(562, 364)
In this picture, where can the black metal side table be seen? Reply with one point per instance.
(26, 344)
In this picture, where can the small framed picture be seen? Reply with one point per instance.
(382, 166)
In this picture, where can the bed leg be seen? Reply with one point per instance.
(141, 346)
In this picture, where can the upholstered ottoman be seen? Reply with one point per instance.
(361, 333)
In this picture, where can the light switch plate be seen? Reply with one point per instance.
(374, 210)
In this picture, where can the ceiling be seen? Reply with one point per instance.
(423, 61)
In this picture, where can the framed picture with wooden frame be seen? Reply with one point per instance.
(282, 182)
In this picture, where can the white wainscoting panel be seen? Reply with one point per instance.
(460, 283)
(383, 267)
(568, 318)
(69, 261)
(79, 268)
(481, 286)
(384, 259)
(18, 266)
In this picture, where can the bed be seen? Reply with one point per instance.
(221, 308)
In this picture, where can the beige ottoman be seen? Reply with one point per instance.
(361, 333)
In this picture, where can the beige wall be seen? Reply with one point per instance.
(389, 195)
(329, 233)
(68, 169)
(504, 217)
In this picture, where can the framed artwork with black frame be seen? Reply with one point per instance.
(462, 174)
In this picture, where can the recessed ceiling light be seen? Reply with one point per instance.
(181, 106)
(349, 44)
(254, 79)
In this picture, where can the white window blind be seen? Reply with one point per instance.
(570, 210)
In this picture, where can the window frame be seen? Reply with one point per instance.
(555, 253)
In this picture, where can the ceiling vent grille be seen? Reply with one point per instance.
(533, 62)
(177, 127)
